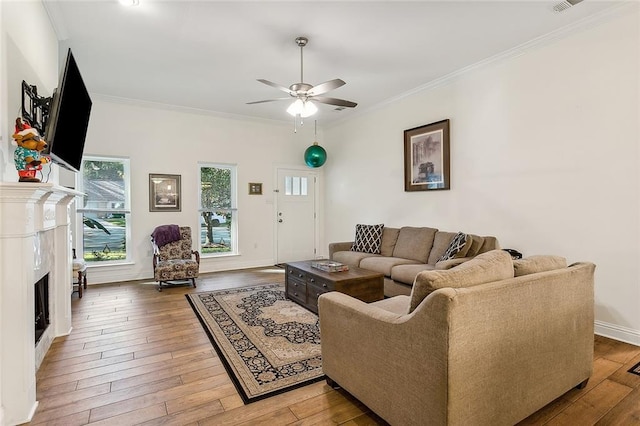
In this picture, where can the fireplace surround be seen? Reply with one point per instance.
(34, 241)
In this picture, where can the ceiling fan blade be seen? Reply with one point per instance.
(334, 101)
(268, 100)
(325, 87)
(277, 86)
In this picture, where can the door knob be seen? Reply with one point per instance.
(280, 220)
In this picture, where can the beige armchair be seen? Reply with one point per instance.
(488, 354)
(175, 260)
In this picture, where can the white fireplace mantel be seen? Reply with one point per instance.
(34, 220)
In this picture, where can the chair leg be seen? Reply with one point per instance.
(193, 281)
(85, 280)
(160, 286)
(331, 383)
(80, 284)
(583, 384)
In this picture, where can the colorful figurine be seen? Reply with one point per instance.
(27, 156)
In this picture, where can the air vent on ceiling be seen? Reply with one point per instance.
(564, 5)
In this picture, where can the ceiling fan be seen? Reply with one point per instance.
(304, 93)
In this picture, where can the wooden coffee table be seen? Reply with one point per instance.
(305, 284)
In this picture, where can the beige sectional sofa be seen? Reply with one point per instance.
(407, 251)
(488, 342)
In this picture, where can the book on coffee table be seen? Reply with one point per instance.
(329, 266)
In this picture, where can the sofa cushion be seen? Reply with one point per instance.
(476, 244)
(407, 273)
(396, 304)
(538, 263)
(458, 247)
(368, 238)
(383, 264)
(414, 243)
(389, 238)
(495, 265)
(489, 243)
(451, 263)
(351, 258)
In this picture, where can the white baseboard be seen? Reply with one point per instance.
(33, 410)
(617, 332)
(120, 273)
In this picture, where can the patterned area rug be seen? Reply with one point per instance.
(267, 343)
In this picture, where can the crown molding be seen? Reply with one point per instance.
(184, 109)
(619, 9)
(55, 17)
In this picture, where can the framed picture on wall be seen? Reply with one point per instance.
(164, 193)
(255, 188)
(426, 157)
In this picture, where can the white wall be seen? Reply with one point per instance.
(172, 141)
(544, 155)
(29, 55)
(26, 55)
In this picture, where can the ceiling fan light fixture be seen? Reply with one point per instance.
(302, 108)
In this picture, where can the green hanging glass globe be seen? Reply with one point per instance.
(315, 155)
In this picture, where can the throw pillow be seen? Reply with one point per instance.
(456, 246)
(538, 263)
(368, 238)
(487, 267)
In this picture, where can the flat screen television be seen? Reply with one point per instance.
(66, 128)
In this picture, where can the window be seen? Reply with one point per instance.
(295, 185)
(105, 211)
(218, 212)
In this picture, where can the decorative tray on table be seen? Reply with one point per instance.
(329, 266)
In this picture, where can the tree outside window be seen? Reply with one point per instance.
(105, 210)
(217, 209)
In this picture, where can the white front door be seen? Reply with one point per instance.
(296, 218)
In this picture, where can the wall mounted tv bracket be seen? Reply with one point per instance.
(35, 109)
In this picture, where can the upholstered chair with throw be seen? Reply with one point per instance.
(173, 258)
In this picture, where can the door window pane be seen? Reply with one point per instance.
(295, 185)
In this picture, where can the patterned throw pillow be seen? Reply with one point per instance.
(455, 246)
(368, 238)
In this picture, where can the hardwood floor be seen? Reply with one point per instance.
(137, 356)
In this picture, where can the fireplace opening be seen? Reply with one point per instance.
(42, 306)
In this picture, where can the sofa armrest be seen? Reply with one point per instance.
(341, 246)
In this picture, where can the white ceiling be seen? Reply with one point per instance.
(208, 54)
